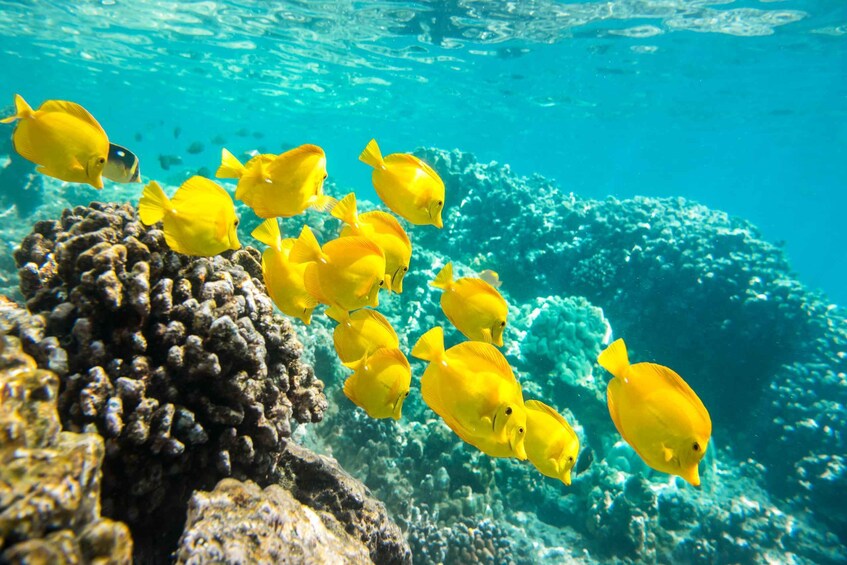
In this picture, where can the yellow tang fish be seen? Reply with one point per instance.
(657, 413)
(380, 383)
(122, 165)
(63, 139)
(346, 273)
(280, 186)
(361, 333)
(384, 230)
(472, 387)
(551, 444)
(407, 185)
(284, 279)
(199, 220)
(472, 305)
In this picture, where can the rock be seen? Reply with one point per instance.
(241, 523)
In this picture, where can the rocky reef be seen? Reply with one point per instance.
(49, 479)
(179, 363)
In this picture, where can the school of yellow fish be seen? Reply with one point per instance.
(470, 386)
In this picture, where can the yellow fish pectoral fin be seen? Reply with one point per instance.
(350, 391)
(667, 453)
(486, 336)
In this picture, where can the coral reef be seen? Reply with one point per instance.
(241, 523)
(49, 479)
(686, 285)
(179, 362)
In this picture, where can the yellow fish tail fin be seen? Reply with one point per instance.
(268, 233)
(345, 210)
(231, 167)
(22, 111)
(154, 204)
(444, 278)
(306, 248)
(338, 314)
(430, 346)
(614, 358)
(350, 390)
(372, 155)
(324, 203)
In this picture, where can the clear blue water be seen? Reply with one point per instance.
(739, 105)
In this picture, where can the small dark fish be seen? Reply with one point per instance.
(205, 172)
(242, 132)
(195, 148)
(584, 462)
(122, 165)
(219, 140)
(166, 161)
(258, 135)
(138, 136)
(177, 131)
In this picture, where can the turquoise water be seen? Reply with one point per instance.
(739, 106)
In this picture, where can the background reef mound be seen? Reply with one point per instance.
(179, 363)
(686, 286)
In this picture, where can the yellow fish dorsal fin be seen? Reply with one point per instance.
(357, 245)
(154, 204)
(285, 163)
(489, 354)
(201, 187)
(345, 210)
(372, 156)
(376, 317)
(430, 346)
(387, 220)
(539, 406)
(395, 354)
(269, 234)
(615, 358)
(306, 248)
(22, 111)
(73, 109)
(474, 285)
(231, 167)
(672, 379)
(444, 278)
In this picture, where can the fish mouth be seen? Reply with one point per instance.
(518, 448)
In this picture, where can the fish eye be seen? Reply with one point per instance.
(520, 430)
(570, 459)
(405, 269)
(326, 175)
(407, 393)
(236, 222)
(382, 283)
(509, 411)
(696, 446)
(101, 160)
(502, 324)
